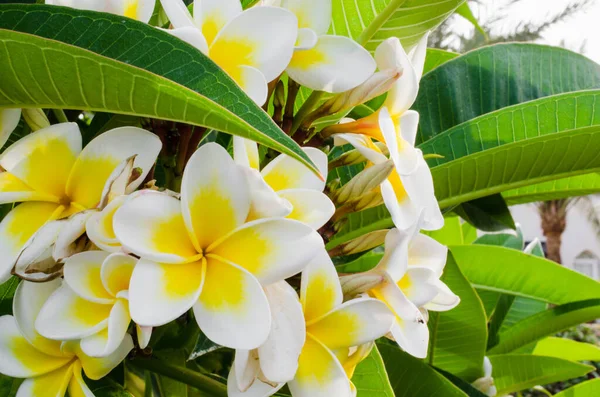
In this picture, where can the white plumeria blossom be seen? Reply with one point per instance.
(333, 329)
(413, 264)
(9, 119)
(324, 62)
(486, 383)
(49, 367)
(55, 178)
(253, 46)
(92, 305)
(285, 187)
(406, 196)
(136, 9)
(200, 252)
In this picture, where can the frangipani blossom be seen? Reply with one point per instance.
(324, 62)
(413, 264)
(49, 367)
(285, 187)
(391, 56)
(136, 9)
(200, 252)
(486, 383)
(92, 304)
(406, 196)
(333, 329)
(253, 46)
(9, 119)
(55, 178)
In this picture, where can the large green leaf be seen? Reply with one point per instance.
(585, 389)
(7, 292)
(516, 123)
(411, 377)
(546, 323)
(494, 77)
(371, 378)
(515, 372)
(55, 57)
(575, 186)
(512, 272)
(9, 386)
(567, 349)
(371, 22)
(458, 337)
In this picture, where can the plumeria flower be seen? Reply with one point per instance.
(413, 264)
(92, 304)
(136, 9)
(285, 187)
(486, 383)
(200, 252)
(49, 367)
(54, 178)
(391, 56)
(333, 330)
(9, 119)
(406, 196)
(253, 46)
(324, 62)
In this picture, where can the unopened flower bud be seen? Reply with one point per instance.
(279, 97)
(357, 284)
(352, 157)
(360, 244)
(379, 83)
(36, 119)
(364, 182)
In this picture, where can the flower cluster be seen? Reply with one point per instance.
(105, 256)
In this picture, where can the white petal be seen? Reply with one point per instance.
(82, 275)
(108, 340)
(66, 316)
(395, 259)
(363, 144)
(254, 84)
(265, 202)
(233, 310)
(211, 16)
(404, 155)
(336, 64)
(270, 249)
(69, 235)
(250, 36)
(116, 272)
(97, 368)
(312, 14)
(160, 293)
(309, 206)
(320, 291)
(143, 335)
(77, 386)
(279, 354)
(245, 152)
(192, 36)
(257, 389)
(427, 252)
(178, 13)
(419, 285)
(307, 39)
(52, 384)
(417, 56)
(445, 299)
(285, 172)
(99, 226)
(420, 190)
(13, 190)
(245, 369)
(404, 212)
(9, 119)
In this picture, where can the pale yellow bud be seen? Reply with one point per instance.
(363, 183)
(360, 244)
(352, 157)
(357, 284)
(36, 119)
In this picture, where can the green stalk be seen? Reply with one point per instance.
(60, 115)
(183, 375)
(379, 21)
(305, 110)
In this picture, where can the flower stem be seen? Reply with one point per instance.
(60, 115)
(192, 378)
(305, 110)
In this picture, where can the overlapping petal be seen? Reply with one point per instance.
(311, 14)
(97, 368)
(321, 291)
(99, 226)
(178, 13)
(77, 386)
(9, 120)
(82, 275)
(116, 272)
(211, 16)
(52, 384)
(284, 172)
(427, 252)
(245, 153)
(109, 339)
(419, 285)
(310, 207)
(233, 300)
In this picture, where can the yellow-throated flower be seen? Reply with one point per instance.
(253, 46)
(200, 252)
(136, 9)
(92, 305)
(285, 187)
(54, 178)
(49, 367)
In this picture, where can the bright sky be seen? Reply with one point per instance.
(580, 32)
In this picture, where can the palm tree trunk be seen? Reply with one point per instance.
(554, 221)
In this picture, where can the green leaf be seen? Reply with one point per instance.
(567, 349)
(545, 324)
(74, 59)
(7, 292)
(494, 77)
(371, 378)
(489, 300)
(509, 239)
(9, 386)
(203, 346)
(371, 22)
(458, 337)
(582, 185)
(411, 377)
(465, 11)
(515, 372)
(488, 214)
(512, 272)
(585, 389)
(436, 57)
(450, 234)
(461, 384)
